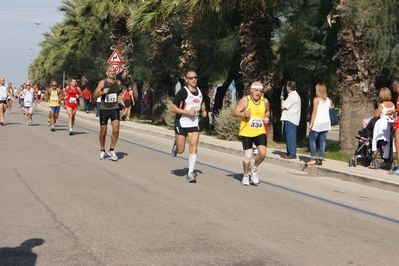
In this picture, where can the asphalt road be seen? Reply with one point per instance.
(60, 205)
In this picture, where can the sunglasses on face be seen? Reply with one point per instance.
(191, 78)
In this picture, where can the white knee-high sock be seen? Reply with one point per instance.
(191, 162)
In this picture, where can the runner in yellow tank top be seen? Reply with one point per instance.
(54, 96)
(254, 113)
(253, 126)
(53, 99)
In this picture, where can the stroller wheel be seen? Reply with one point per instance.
(351, 162)
(374, 164)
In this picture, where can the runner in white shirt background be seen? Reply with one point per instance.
(3, 100)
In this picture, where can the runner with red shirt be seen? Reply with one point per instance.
(72, 94)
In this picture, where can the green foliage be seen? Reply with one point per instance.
(79, 45)
(306, 47)
(169, 116)
(226, 125)
(141, 68)
(377, 24)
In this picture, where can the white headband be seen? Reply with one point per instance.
(256, 87)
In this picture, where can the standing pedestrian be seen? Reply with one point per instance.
(319, 124)
(86, 99)
(98, 104)
(254, 112)
(188, 105)
(395, 126)
(72, 94)
(108, 89)
(291, 115)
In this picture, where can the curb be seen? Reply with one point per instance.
(362, 179)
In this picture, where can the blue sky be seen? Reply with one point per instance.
(20, 35)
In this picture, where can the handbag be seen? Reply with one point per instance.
(333, 117)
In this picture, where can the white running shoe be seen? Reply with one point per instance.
(191, 178)
(173, 151)
(112, 155)
(245, 180)
(254, 175)
(102, 155)
(52, 128)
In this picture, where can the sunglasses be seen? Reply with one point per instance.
(191, 78)
(54, 85)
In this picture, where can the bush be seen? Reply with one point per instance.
(226, 125)
(169, 116)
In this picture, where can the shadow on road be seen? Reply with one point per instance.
(22, 255)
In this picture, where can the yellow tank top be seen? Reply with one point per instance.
(253, 126)
(53, 99)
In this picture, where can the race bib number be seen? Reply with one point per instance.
(28, 101)
(111, 98)
(72, 100)
(197, 113)
(256, 122)
(54, 99)
(2, 98)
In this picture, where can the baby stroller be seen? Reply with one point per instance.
(365, 153)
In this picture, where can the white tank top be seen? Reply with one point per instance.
(384, 112)
(3, 93)
(191, 101)
(28, 98)
(322, 121)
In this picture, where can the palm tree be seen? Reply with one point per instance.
(366, 47)
(117, 12)
(255, 38)
(74, 46)
(161, 84)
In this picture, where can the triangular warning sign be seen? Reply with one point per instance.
(115, 57)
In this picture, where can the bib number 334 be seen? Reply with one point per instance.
(256, 122)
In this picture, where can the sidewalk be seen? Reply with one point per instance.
(336, 169)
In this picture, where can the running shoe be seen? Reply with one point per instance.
(191, 178)
(102, 155)
(245, 180)
(49, 123)
(254, 175)
(173, 151)
(1, 123)
(52, 128)
(112, 155)
(70, 131)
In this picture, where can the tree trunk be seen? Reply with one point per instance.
(357, 82)
(189, 52)
(255, 38)
(122, 41)
(161, 82)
